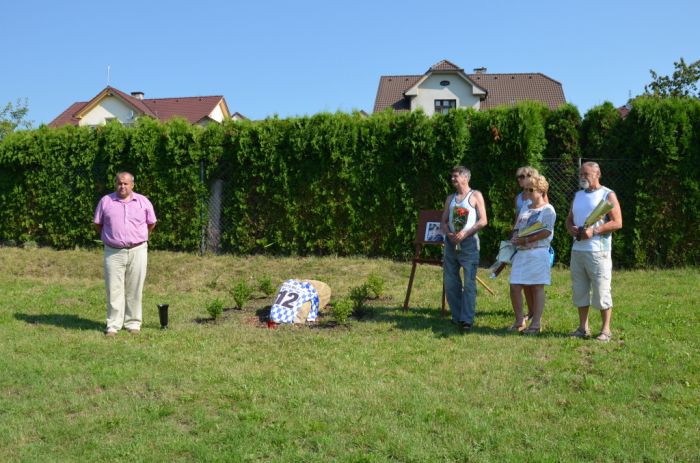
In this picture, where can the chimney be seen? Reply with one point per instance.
(479, 70)
(137, 95)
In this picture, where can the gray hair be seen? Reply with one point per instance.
(461, 170)
(123, 173)
(592, 164)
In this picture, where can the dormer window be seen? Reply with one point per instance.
(442, 106)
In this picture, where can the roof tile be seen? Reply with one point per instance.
(444, 65)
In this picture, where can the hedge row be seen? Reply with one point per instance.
(348, 185)
(662, 209)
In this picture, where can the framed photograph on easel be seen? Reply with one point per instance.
(428, 232)
(433, 234)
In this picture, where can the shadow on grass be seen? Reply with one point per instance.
(69, 321)
(263, 313)
(422, 318)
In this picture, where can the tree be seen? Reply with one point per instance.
(683, 81)
(14, 116)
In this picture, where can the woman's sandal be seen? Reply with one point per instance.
(515, 327)
(579, 333)
(604, 336)
(533, 330)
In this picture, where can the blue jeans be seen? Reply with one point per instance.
(461, 297)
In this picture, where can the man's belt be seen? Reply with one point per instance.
(131, 246)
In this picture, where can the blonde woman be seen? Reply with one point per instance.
(522, 176)
(531, 269)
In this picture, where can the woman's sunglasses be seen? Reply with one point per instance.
(522, 176)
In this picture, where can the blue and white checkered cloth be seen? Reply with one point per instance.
(290, 297)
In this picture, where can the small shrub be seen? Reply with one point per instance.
(241, 293)
(215, 308)
(375, 283)
(342, 310)
(358, 296)
(265, 286)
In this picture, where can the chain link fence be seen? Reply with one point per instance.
(620, 175)
(617, 174)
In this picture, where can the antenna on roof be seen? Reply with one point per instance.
(108, 66)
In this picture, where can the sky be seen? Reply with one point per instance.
(293, 58)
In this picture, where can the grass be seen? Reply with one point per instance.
(394, 386)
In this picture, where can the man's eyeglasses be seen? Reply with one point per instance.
(522, 176)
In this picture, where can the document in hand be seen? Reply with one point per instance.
(531, 230)
(603, 207)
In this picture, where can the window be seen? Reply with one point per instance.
(442, 106)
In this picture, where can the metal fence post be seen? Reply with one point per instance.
(202, 206)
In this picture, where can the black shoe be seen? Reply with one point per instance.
(466, 326)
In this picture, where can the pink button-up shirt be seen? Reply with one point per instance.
(124, 224)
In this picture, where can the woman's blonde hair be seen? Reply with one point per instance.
(527, 171)
(539, 183)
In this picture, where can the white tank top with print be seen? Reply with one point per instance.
(471, 211)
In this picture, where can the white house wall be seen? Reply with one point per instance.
(217, 114)
(109, 107)
(431, 90)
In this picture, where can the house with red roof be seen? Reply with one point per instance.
(445, 86)
(113, 104)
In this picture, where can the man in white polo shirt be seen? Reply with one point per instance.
(591, 260)
(124, 220)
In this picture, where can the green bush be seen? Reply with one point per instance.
(359, 295)
(265, 286)
(215, 308)
(375, 285)
(342, 310)
(241, 293)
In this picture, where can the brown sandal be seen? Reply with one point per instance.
(515, 327)
(532, 330)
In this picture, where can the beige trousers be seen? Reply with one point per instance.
(125, 274)
(324, 297)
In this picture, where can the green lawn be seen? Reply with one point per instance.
(394, 386)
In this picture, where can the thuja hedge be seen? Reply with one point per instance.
(660, 138)
(348, 185)
(51, 180)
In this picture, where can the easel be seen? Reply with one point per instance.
(425, 218)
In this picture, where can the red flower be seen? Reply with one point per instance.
(459, 220)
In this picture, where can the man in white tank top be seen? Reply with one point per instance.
(466, 209)
(591, 260)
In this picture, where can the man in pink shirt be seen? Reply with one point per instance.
(124, 220)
